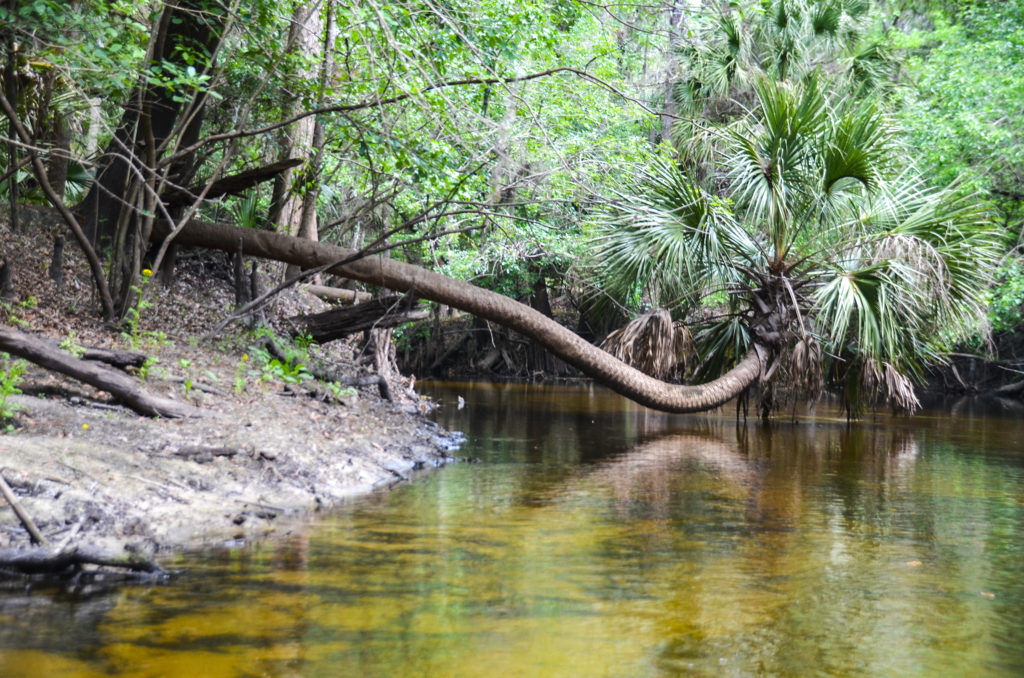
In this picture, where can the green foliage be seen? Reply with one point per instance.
(186, 366)
(241, 372)
(146, 365)
(1006, 304)
(960, 109)
(961, 106)
(11, 372)
(70, 345)
(133, 316)
(12, 310)
(290, 370)
(340, 392)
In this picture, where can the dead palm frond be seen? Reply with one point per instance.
(686, 347)
(884, 382)
(806, 368)
(651, 343)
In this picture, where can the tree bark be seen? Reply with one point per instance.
(11, 85)
(124, 389)
(424, 284)
(286, 205)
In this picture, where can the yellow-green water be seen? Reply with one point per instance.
(596, 539)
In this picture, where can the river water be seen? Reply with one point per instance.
(595, 538)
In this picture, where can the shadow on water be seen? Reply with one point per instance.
(598, 538)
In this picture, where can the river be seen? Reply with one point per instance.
(591, 537)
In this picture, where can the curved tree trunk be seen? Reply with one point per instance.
(424, 284)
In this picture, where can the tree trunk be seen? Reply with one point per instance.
(286, 205)
(117, 211)
(424, 284)
(11, 85)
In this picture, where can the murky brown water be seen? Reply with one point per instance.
(596, 539)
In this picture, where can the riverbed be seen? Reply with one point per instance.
(588, 536)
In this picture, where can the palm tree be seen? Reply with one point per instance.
(815, 243)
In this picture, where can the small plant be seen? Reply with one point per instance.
(340, 392)
(304, 340)
(241, 371)
(155, 340)
(288, 372)
(71, 345)
(10, 376)
(134, 313)
(11, 310)
(185, 364)
(292, 368)
(144, 369)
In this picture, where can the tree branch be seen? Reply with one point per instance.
(377, 103)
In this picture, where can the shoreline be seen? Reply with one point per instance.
(124, 483)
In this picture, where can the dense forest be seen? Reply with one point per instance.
(807, 195)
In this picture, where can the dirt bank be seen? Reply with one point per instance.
(266, 449)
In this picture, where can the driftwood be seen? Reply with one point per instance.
(204, 454)
(232, 185)
(124, 389)
(338, 294)
(26, 520)
(121, 359)
(337, 323)
(46, 560)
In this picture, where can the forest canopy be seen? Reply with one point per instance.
(697, 157)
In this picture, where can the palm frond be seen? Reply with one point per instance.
(857, 149)
(669, 240)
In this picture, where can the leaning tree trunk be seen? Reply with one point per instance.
(424, 284)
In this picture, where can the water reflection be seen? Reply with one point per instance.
(599, 539)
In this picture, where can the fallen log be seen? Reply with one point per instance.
(338, 294)
(232, 185)
(124, 389)
(114, 357)
(337, 323)
(45, 560)
(118, 358)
